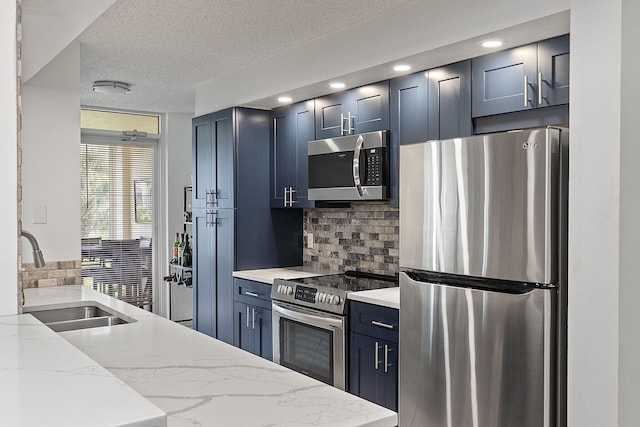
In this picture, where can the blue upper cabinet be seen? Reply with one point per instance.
(359, 110)
(553, 71)
(434, 104)
(524, 78)
(408, 122)
(292, 127)
(212, 145)
(449, 101)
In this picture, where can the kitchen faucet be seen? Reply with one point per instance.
(38, 258)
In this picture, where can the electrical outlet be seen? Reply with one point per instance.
(310, 240)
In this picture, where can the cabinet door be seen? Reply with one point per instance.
(370, 105)
(203, 160)
(223, 220)
(303, 131)
(328, 112)
(283, 156)
(408, 121)
(504, 81)
(204, 273)
(373, 373)
(222, 130)
(553, 69)
(266, 334)
(244, 332)
(449, 104)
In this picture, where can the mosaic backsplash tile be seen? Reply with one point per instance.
(363, 237)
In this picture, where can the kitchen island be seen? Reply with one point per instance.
(201, 381)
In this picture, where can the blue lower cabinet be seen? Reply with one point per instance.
(373, 354)
(373, 370)
(252, 330)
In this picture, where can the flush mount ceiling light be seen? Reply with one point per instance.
(337, 85)
(284, 99)
(491, 43)
(402, 67)
(111, 87)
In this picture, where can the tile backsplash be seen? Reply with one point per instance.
(362, 237)
(54, 273)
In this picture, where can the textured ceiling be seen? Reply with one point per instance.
(164, 48)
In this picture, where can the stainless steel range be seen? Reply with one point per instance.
(310, 318)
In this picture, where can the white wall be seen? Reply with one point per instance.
(8, 159)
(51, 161)
(177, 171)
(604, 215)
(629, 294)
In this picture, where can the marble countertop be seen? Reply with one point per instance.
(387, 297)
(268, 275)
(48, 382)
(200, 381)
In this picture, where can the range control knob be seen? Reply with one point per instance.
(279, 289)
(335, 299)
(289, 290)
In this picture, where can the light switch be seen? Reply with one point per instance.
(40, 214)
(310, 240)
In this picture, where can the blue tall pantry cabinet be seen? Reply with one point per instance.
(234, 227)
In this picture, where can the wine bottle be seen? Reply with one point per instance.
(175, 249)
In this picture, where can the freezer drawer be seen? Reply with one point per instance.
(473, 357)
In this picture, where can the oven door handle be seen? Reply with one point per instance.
(316, 320)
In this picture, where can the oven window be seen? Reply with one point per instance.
(307, 349)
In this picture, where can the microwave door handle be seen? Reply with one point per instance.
(356, 164)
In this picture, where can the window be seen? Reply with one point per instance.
(117, 220)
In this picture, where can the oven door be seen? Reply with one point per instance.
(310, 342)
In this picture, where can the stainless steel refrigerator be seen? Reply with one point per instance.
(482, 299)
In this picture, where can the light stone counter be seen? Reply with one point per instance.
(200, 381)
(268, 275)
(45, 381)
(388, 297)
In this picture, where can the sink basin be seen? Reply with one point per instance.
(80, 315)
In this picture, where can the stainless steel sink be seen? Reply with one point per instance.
(79, 315)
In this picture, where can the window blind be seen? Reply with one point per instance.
(117, 221)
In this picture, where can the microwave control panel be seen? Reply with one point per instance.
(374, 170)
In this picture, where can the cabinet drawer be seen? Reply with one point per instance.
(374, 320)
(250, 292)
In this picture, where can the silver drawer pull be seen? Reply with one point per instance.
(251, 294)
(382, 324)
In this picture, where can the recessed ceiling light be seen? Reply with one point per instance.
(492, 43)
(337, 85)
(284, 99)
(111, 87)
(402, 67)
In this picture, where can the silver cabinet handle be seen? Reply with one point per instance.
(253, 318)
(382, 324)
(214, 218)
(351, 120)
(207, 198)
(214, 197)
(291, 201)
(247, 317)
(342, 129)
(540, 97)
(386, 358)
(526, 91)
(356, 164)
(377, 357)
(251, 294)
(285, 197)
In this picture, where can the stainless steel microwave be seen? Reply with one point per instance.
(353, 167)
